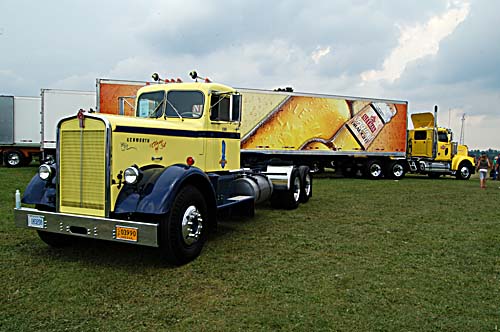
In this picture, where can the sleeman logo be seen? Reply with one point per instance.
(223, 160)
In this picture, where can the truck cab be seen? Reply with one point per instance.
(431, 150)
(201, 118)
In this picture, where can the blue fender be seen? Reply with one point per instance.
(156, 190)
(40, 192)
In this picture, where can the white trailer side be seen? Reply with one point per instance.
(57, 104)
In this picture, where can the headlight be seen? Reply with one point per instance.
(131, 175)
(45, 172)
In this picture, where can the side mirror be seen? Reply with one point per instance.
(236, 108)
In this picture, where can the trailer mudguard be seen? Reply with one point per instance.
(40, 192)
(158, 187)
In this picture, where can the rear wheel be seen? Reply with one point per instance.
(396, 170)
(13, 158)
(374, 169)
(306, 184)
(184, 230)
(288, 198)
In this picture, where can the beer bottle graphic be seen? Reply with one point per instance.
(361, 130)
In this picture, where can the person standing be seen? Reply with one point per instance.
(497, 166)
(482, 167)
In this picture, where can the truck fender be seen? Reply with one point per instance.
(157, 189)
(40, 192)
(457, 160)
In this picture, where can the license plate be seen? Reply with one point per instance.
(127, 233)
(35, 221)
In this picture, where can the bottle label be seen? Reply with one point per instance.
(365, 126)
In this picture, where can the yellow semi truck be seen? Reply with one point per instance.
(431, 149)
(158, 179)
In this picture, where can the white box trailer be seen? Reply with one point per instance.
(19, 129)
(57, 104)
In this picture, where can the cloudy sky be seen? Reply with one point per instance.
(428, 52)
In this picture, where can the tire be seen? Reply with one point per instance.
(395, 170)
(305, 184)
(288, 199)
(13, 158)
(55, 240)
(374, 169)
(184, 230)
(464, 171)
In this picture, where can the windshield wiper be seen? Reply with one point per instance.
(156, 109)
(175, 110)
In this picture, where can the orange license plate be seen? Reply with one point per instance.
(127, 233)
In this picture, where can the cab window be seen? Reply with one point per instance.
(219, 108)
(420, 135)
(185, 104)
(151, 104)
(225, 107)
(443, 137)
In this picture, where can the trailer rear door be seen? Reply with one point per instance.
(6, 120)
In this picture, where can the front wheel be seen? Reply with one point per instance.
(464, 171)
(184, 230)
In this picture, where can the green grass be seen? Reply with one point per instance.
(409, 255)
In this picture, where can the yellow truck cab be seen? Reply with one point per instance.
(431, 150)
(157, 179)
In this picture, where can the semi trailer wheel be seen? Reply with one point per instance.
(184, 230)
(395, 170)
(374, 169)
(288, 199)
(464, 171)
(306, 184)
(13, 158)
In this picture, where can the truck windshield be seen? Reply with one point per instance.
(184, 104)
(151, 104)
(176, 104)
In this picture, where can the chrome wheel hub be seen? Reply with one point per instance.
(397, 170)
(192, 225)
(13, 159)
(375, 170)
(464, 172)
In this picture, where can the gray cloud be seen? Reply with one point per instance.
(257, 44)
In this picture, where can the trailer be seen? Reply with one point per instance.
(353, 136)
(19, 129)
(117, 96)
(56, 104)
(350, 134)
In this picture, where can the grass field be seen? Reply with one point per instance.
(410, 255)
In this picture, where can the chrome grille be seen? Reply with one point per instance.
(83, 169)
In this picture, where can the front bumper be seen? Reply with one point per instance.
(90, 227)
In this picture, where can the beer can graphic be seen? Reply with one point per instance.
(362, 129)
